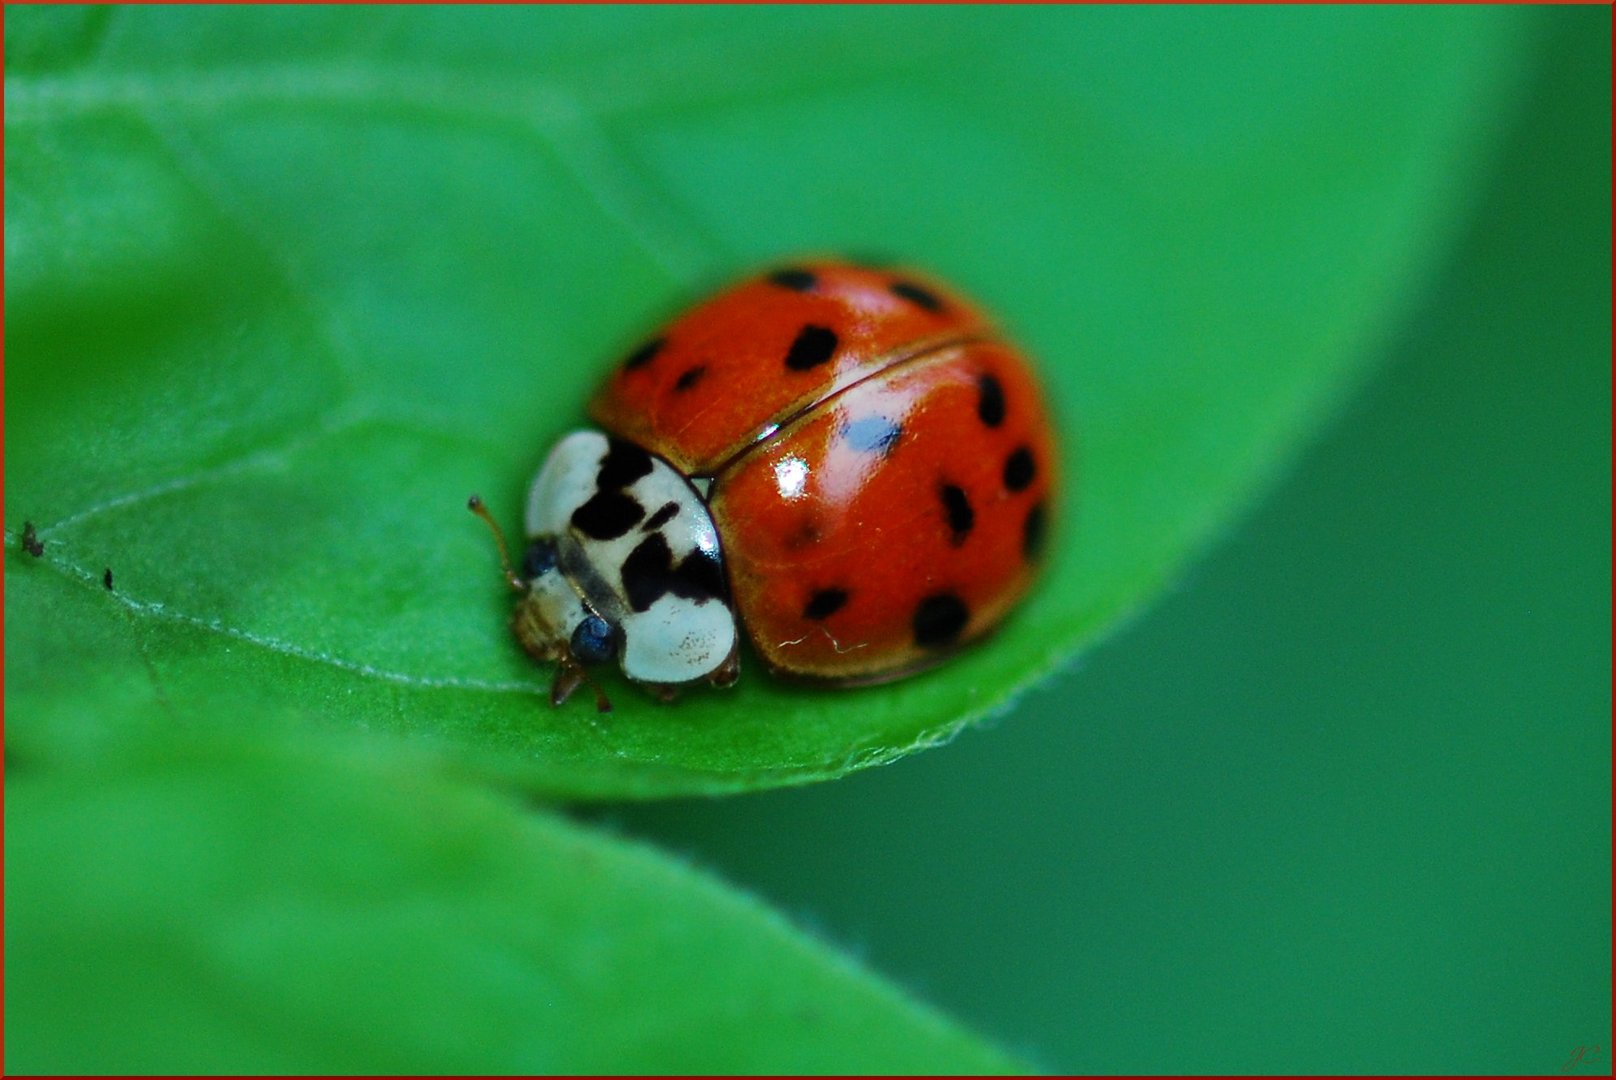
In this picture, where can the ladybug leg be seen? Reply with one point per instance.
(728, 671)
(665, 693)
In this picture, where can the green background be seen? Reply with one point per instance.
(1337, 800)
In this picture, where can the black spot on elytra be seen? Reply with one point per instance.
(1032, 532)
(649, 574)
(957, 507)
(918, 295)
(939, 620)
(644, 354)
(106, 579)
(813, 346)
(824, 603)
(690, 378)
(794, 278)
(990, 400)
(623, 464)
(807, 534)
(1019, 469)
(872, 434)
(663, 515)
(31, 542)
(607, 515)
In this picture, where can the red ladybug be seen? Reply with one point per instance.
(846, 464)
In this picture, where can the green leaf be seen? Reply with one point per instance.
(253, 909)
(284, 287)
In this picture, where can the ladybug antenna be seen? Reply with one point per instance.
(475, 505)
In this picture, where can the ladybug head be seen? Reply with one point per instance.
(623, 564)
(550, 621)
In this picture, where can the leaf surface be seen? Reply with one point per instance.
(220, 908)
(284, 287)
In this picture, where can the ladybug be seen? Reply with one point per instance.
(846, 465)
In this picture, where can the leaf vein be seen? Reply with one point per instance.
(544, 114)
(156, 609)
(334, 423)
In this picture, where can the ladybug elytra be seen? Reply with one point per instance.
(847, 466)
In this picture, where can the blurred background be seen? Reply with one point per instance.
(1341, 802)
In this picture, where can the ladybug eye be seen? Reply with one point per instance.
(594, 641)
(539, 559)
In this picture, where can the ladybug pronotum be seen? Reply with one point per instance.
(846, 465)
